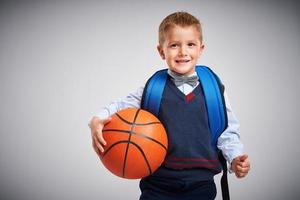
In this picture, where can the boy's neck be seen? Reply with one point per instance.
(174, 74)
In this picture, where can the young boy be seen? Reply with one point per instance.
(186, 122)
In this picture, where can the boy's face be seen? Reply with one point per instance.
(181, 49)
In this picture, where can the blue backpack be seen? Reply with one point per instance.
(215, 104)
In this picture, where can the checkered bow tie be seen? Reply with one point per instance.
(180, 80)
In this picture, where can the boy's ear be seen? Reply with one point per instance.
(201, 49)
(202, 46)
(161, 52)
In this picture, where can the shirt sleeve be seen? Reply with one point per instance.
(229, 141)
(132, 100)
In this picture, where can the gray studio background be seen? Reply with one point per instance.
(62, 60)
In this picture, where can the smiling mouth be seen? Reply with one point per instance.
(182, 61)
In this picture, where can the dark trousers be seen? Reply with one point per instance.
(157, 188)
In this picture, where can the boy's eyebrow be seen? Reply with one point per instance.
(188, 41)
(173, 41)
(194, 40)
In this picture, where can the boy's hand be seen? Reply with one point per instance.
(96, 126)
(241, 166)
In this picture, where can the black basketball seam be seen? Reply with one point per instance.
(144, 155)
(136, 145)
(111, 146)
(138, 134)
(137, 124)
(129, 138)
(146, 124)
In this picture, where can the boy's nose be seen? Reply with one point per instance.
(182, 51)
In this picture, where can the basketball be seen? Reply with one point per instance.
(136, 143)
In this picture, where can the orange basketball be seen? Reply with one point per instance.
(136, 143)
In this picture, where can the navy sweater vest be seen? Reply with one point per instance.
(186, 121)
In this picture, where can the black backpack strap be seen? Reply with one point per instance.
(224, 178)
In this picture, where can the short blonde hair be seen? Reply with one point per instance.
(182, 19)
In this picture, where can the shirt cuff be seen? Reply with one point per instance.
(103, 114)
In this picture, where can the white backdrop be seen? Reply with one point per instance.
(61, 61)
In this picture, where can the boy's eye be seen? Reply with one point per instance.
(191, 44)
(174, 45)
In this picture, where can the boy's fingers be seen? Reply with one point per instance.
(241, 174)
(98, 132)
(96, 148)
(246, 163)
(240, 159)
(243, 169)
(100, 138)
(97, 144)
(243, 157)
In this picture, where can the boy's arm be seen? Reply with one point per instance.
(229, 141)
(98, 121)
(132, 100)
(230, 145)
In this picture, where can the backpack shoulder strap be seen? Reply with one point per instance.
(217, 115)
(153, 91)
(214, 101)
